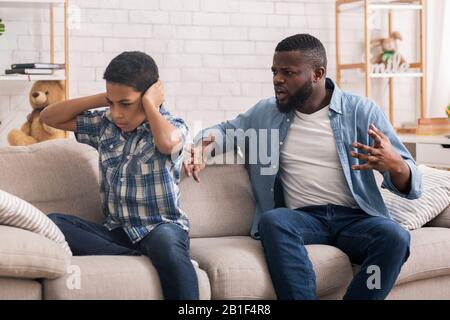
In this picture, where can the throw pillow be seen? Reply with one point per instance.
(413, 214)
(19, 213)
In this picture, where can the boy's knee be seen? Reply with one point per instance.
(166, 239)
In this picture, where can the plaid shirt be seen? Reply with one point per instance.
(138, 184)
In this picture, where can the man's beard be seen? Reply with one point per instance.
(297, 100)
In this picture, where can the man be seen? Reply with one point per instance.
(139, 144)
(320, 188)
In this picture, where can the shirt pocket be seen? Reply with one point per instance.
(111, 152)
(147, 153)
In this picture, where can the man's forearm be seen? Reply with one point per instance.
(164, 133)
(62, 112)
(401, 176)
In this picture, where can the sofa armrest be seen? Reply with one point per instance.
(442, 220)
(24, 254)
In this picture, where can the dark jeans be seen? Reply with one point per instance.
(167, 246)
(367, 240)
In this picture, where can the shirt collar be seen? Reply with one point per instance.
(335, 102)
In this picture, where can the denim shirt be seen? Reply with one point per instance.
(350, 118)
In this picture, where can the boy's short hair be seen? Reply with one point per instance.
(132, 68)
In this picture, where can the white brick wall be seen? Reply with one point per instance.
(214, 55)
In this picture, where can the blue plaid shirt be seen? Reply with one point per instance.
(138, 184)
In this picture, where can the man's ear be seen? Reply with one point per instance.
(319, 74)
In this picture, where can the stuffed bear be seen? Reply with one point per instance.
(386, 48)
(42, 94)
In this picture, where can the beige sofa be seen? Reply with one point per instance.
(62, 176)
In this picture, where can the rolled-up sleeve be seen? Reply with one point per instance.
(415, 191)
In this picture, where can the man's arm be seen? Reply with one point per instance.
(62, 115)
(389, 156)
(216, 140)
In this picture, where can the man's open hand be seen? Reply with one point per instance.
(195, 160)
(381, 156)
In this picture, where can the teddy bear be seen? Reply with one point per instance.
(42, 94)
(386, 48)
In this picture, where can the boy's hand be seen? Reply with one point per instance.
(154, 96)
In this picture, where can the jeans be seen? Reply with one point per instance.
(167, 246)
(372, 242)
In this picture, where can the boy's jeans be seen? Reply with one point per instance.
(375, 243)
(167, 246)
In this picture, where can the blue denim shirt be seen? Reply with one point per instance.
(350, 117)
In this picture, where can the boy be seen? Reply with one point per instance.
(140, 146)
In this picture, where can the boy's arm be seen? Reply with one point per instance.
(166, 136)
(63, 115)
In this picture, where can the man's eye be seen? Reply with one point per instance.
(125, 104)
(289, 73)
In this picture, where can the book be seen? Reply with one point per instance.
(28, 71)
(38, 65)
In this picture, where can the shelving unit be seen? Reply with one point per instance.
(368, 6)
(51, 5)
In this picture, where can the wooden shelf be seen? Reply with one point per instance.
(418, 68)
(413, 138)
(397, 75)
(30, 3)
(398, 6)
(31, 77)
(49, 5)
(393, 5)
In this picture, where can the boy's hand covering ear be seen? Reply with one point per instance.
(155, 94)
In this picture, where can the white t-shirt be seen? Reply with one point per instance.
(311, 173)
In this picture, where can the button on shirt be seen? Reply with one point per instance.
(138, 184)
(350, 117)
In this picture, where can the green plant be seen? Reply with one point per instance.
(2, 27)
(447, 110)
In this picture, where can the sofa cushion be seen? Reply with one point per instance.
(18, 213)
(237, 269)
(24, 254)
(61, 176)
(20, 289)
(429, 255)
(221, 204)
(442, 220)
(112, 277)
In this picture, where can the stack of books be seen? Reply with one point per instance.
(34, 68)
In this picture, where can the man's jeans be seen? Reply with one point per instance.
(372, 242)
(167, 246)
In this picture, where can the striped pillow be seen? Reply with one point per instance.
(413, 214)
(18, 213)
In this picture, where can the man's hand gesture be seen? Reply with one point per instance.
(381, 156)
(196, 158)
